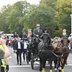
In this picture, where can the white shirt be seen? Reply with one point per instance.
(19, 45)
(25, 45)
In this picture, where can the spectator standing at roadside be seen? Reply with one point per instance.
(15, 35)
(25, 42)
(18, 48)
(70, 39)
(65, 33)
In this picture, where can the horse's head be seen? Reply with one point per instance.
(33, 45)
(34, 42)
(65, 42)
(46, 39)
(57, 45)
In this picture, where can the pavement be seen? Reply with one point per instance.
(27, 68)
(67, 69)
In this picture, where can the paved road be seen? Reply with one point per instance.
(67, 69)
(27, 68)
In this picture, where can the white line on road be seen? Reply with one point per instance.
(21, 66)
(27, 66)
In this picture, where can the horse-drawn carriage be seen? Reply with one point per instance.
(33, 51)
(43, 50)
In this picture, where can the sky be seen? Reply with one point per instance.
(5, 2)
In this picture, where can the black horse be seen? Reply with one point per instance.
(45, 50)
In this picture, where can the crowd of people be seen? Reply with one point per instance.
(19, 45)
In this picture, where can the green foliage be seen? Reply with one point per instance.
(63, 11)
(51, 14)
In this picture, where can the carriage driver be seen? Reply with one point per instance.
(37, 31)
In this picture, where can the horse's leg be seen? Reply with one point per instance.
(50, 65)
(55, 64)
(59, 64)
(40, 64)
(64, 62)
(43, 65)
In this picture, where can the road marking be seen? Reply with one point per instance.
(27, 66)
(69, 65)
(20, 66)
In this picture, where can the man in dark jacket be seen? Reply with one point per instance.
(18, 48)
(37, 31)
(15, 35)
(25, 42)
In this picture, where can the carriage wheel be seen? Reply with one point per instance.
(28, 57)
(32, 61)
(32, 64)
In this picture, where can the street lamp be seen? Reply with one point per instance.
(71, 23)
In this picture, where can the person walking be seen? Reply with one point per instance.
(18, 48)
(25, 42)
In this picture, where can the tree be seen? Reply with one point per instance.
(63, 11)
(4, 19)
(51, 14)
